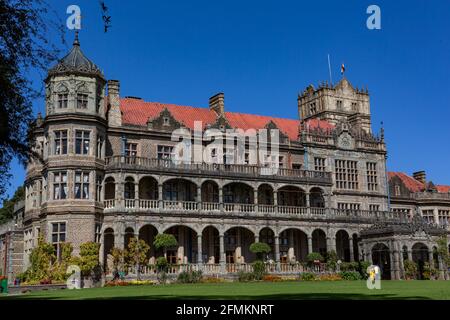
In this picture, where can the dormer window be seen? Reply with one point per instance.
(397, 190)
(62, 100)
(166, 121)
(82, 101)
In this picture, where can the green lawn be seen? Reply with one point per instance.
(258, 290)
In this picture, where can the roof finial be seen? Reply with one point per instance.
(76, 42)
(382, 131)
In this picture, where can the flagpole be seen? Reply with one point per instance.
(329, 69)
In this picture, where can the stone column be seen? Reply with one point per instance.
(291, 252)
(350, 244)
(275, 200)
(221, 199)
(199, 249)
(136, 194)
(308, 204)
(238, 249)
(310, 246)
(277, 251)
(199, 198)
(211, 256)
(256, 237)
(222, 253)
(430, 258)
(436, 216)
(331, 243)
(410, 255)
(180, 251)
(160, 196)
(255, 199)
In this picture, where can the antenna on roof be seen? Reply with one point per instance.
(329, 70)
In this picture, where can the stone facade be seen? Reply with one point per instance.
(105, 177)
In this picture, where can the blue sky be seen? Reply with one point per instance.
(262, 53)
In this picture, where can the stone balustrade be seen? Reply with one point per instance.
(211, 208)
(214, 169)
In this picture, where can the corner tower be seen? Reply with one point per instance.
(63, 191)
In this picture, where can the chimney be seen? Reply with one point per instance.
(114, 113)
(420, 176)
(217, 104)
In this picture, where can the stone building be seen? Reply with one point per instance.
(108, 174)
(12, 244)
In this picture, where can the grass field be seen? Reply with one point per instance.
(258, 290)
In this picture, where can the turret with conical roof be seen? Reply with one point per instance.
(75, 85)
(75, 62)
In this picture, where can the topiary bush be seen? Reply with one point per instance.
(410, 269)
(307, 276)
(259, 270)
(350, 275)
(162, 264)
(245, 276)
(362, 269)
(259, 248)
(332, 260)
(189, 277)
(313, 256)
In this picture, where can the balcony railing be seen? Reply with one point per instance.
(215, 169)
(212, 208)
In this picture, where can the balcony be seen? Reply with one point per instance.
(220, 170)
(240, 209)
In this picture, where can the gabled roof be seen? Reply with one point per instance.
(443, 189)
(137, 112)
(414, 185)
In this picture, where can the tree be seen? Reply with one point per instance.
(137, 253)
(260, 248)
(88, 260)
(312, 257)
(7, 211)
(118, 259)
(24, 47)
(42, 258)
(442, 251)
(164, 240)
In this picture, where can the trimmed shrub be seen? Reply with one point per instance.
(259, 248)
(410, 269)
(350, 275)
(349, 266)
(314, 256)
(259, 270)
(362, 268)
(307, 276)
(245, 276)
(189, 277)
(331, 260)
(162, 264)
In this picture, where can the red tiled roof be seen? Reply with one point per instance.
(137, 112)
(412, 184)
(443, 189)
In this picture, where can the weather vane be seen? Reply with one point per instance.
(106, 18)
